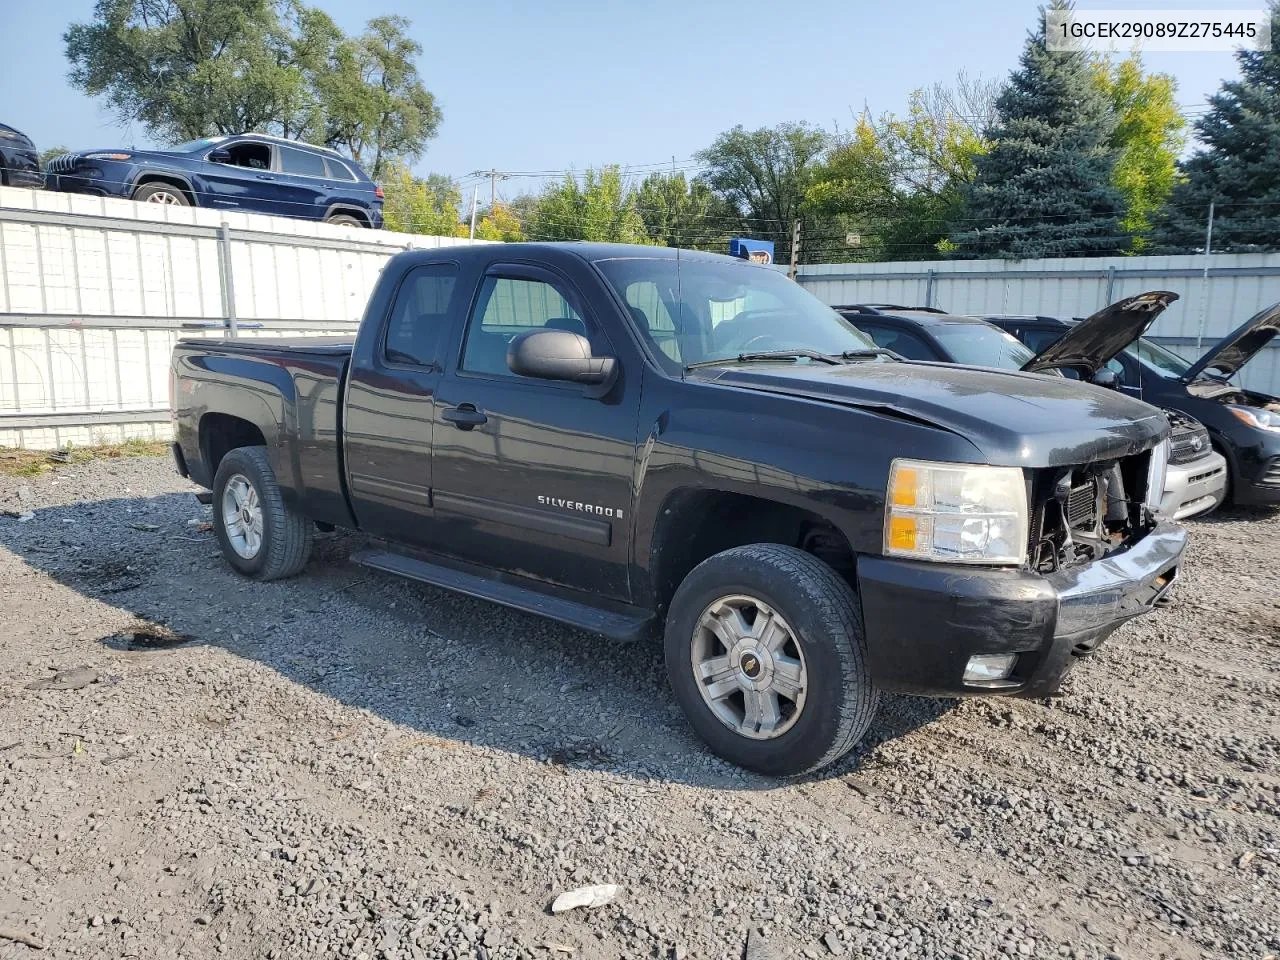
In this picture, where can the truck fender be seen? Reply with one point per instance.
(261, 394)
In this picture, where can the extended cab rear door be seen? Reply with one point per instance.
(529, 476)
(391, 403)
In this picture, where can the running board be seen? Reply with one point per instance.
(623, 625)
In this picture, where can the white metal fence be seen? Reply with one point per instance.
(94, 292)
(1218, 293)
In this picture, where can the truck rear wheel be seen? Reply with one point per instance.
(259, 535)
(766, 655)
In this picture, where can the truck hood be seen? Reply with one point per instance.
(1014, 419)
(1089, 345)
(1237, 348)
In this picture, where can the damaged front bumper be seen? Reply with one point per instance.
(924, 621)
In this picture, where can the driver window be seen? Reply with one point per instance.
(255, 156)
(508, 307)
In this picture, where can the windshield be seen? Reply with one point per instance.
(195, 146)
(981, 345)
(1165, 361)
(694, 310)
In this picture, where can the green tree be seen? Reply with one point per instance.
(1044, 189)
(1237, 168)
(313, 44)
(193, 68)
(599, 208)
(499, 223)
(190, 68)
(678, 213)
(763, 175)
(1148, 138)
(52, 153)
(376, 107)
(898, 184)
(853, 191)
(420, 205)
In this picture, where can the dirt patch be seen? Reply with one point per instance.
(345, 764)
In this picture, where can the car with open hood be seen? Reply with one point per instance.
(639, 440)
(1242, 425)
(1196, 480)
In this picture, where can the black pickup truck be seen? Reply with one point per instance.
(633, 439)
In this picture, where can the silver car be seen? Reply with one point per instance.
(1196, 481)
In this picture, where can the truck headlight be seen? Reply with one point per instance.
(956, 513)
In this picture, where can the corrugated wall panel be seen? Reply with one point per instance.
(22, 277)
(89, 310)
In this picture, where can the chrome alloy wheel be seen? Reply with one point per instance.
(165, 196)
(749, 667)
(242, 516)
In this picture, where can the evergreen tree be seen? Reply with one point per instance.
(1237, 166)
(1045, 187)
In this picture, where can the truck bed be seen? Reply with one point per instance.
(292, 388)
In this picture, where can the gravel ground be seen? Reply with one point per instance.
(351, 765)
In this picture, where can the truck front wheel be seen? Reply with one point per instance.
(258, 533)
(766, 655)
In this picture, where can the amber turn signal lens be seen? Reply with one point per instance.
(902, 532)
(904, 487)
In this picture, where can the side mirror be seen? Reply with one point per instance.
(558, 355)
(219, 155)
(1106, 377)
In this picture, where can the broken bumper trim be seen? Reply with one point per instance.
(924, 621)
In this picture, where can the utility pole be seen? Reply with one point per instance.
(795, 251)
(1204, 281)
(494, 177)
(475, 193)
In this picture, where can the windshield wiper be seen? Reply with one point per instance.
(868, 354)
(792, 355)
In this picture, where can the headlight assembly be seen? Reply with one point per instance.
(956, 513)
(1257, 417)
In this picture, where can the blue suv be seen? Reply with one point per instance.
(19, 162)
(251, 173)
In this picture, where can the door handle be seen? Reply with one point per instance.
(464, 416)
(265, 176)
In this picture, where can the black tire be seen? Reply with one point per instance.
(824, 614)
(286, 536)
(345, 220)
(149, 192)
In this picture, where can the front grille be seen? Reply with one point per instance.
(1205, 476)
(1271, 476)
(63, 164)
(1082, 503)
(1187, 446)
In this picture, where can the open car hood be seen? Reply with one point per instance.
(1233, 351)
(1091, 343)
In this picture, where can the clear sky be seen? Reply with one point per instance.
(556, 84)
